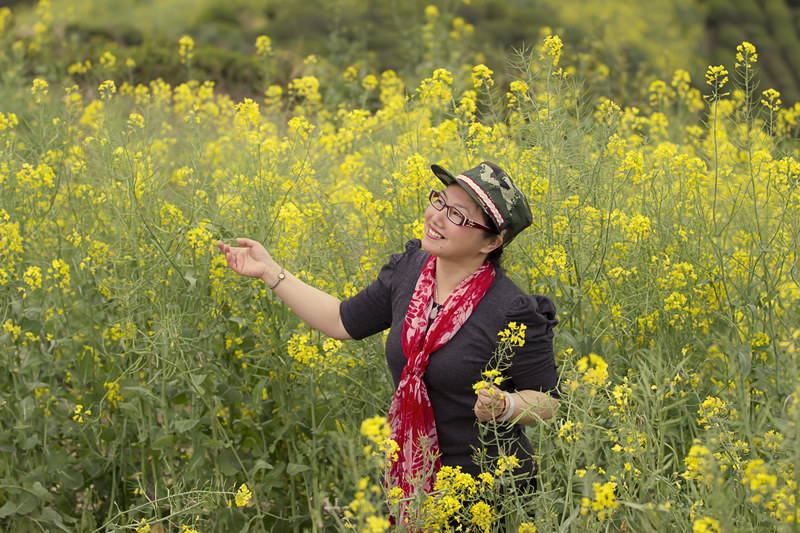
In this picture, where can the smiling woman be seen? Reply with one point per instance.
(444, 304)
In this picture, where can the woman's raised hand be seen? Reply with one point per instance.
(250, 259)
(490, 404)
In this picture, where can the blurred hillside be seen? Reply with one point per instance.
(618, 47)
(773, 26)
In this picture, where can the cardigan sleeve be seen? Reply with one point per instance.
(370, 310)
(533, 365)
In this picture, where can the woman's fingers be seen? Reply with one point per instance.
(489, 404)
(250, 243)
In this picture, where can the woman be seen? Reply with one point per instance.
(444, 300)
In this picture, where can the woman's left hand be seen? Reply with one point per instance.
(490, 404)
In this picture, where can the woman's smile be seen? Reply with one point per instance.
(433, 234)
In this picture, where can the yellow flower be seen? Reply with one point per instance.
(79, 412)
(243, 496)
(33, 277)
(506, 464)
(711, 408)
(39, 89)
(186, 49)
(369, 82)
(395, 495)
(552, 49)
(482, 75)
(108, 59)
(716, 76)
(482, 516)
(107, 89)
(597, 374)
(746, 55)
(604, 501)
(376, 524)
(431, 13)
(771, 100)
(514, 334)
(479, 386)
(705, 525)
(263, 46)
(376, 429)
(698, 463)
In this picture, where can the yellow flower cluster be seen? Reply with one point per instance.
(604, 501)
(186, 49)
(594, 370)
(513, 335)
(243, 496)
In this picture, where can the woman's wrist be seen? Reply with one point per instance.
(510, 405)
(273, 275)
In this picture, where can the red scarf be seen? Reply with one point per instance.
(411, 414)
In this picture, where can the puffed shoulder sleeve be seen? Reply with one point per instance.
(370, 310)
(533, 365)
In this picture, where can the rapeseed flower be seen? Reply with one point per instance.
(594, 370)
(705, 525)
(186, 49)
(482, 516)
(712, 408)
(759, 480)
(604, 502)
(746, 55)
(79, 412)
(514, 334)
(698, 463)
(39, 90)
(263, 46)
(482, 76)
(506, 463)
(551, 49)
(771, 100)
(243, 496)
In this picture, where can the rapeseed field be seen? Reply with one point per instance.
(149, 389)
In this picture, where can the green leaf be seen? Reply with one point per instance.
(29, 443)
(227, 463)
(8, 509)
(164, 442)
(182, 426)
(260, 465)
(70, 478)
(40, 492)
(293, 469)
(28, 503)
(26, 408)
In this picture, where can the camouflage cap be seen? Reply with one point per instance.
(493, 190)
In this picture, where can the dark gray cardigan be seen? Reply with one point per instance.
(455, 367)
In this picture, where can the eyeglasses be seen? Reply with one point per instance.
(454, 215)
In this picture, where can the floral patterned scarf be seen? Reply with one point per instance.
(411, 415)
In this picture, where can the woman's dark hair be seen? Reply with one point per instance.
(495, 257)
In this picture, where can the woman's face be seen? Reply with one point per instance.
(444, 239)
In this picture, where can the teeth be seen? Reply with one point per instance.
(435, 233)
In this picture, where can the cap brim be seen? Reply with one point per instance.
(443, 175)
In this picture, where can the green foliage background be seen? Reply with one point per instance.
(635, 41)
(146, 382)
